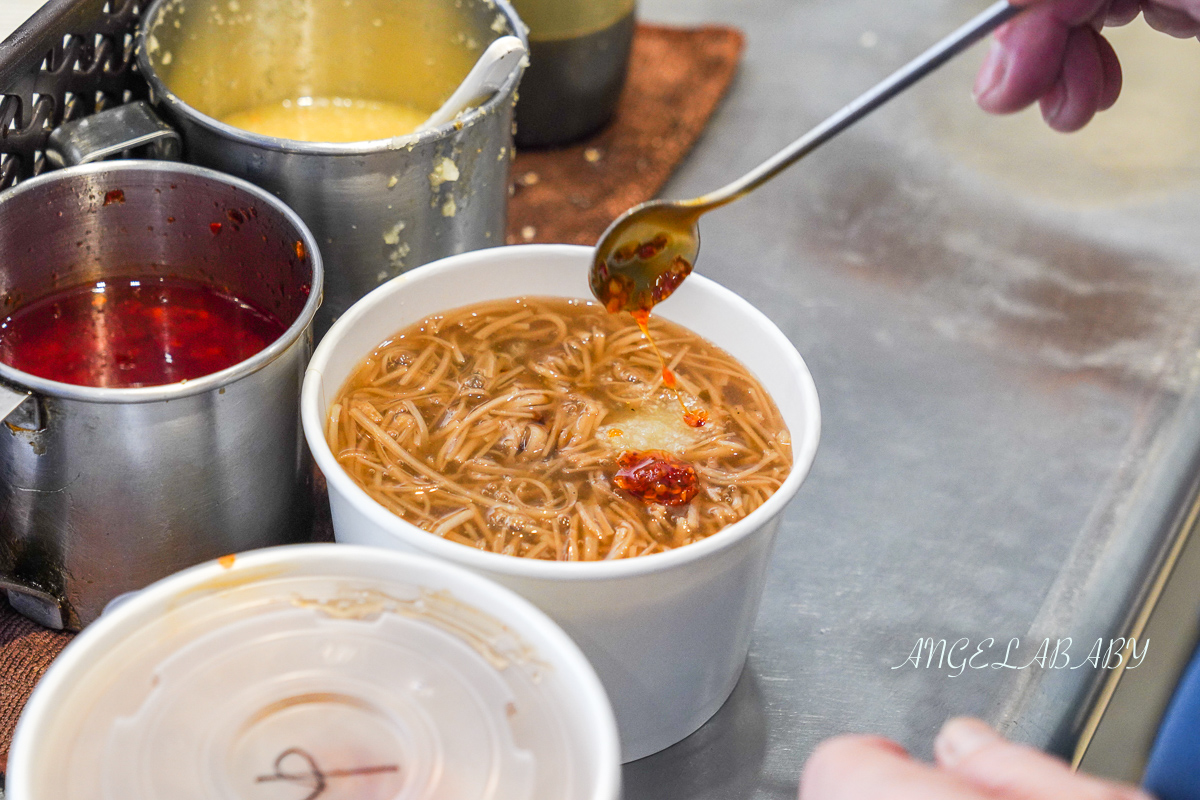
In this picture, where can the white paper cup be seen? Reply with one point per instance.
(667, 633)
(319, 670)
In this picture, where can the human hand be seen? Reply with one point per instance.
(1055, 54)
(973, 763)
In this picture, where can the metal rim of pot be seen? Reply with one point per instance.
(20, 381)
(161, 93)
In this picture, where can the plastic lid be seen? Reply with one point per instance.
(318, 672)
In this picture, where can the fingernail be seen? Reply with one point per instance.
(992, 73)
(960, 738)
(1052, 103)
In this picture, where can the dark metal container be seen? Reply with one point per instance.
(578, 60)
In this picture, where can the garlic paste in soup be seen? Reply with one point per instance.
(544, 428)
(329, 119)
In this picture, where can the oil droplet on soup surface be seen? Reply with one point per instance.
(695, 418)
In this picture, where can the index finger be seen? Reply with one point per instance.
(1029, 51)
(1070, 12)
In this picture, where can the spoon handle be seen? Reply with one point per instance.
(889, 87)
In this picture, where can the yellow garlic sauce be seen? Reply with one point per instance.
(329, 119)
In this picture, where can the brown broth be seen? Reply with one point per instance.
(504, 426)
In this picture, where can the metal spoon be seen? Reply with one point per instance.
(485, 79)
(648, 251)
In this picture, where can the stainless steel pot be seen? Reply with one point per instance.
(103, 491)
(579, 56)
(379, 207)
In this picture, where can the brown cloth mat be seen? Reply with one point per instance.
(677, 76)
(26, 650)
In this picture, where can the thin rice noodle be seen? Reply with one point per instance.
(495, 426)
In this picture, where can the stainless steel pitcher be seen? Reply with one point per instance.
(378, 207)
(103, 491)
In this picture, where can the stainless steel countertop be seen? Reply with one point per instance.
(1002, 325)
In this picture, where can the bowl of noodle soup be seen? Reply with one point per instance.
(668, 630)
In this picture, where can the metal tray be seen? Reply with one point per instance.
(1001, 322)
(72, 59)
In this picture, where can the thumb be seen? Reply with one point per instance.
(978, 755)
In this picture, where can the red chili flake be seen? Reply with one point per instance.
(170, 219)
(648, 250)
(696, 418)
(668, 281)
(215, 228)
(115, 196)
(655, 476)
(617, 289)
(625, 252)
(300, 251)
(235, 216)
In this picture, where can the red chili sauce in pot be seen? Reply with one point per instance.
(130, 332)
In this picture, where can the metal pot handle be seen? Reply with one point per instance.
(120, 131)
(40, 606)
(11, 400)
